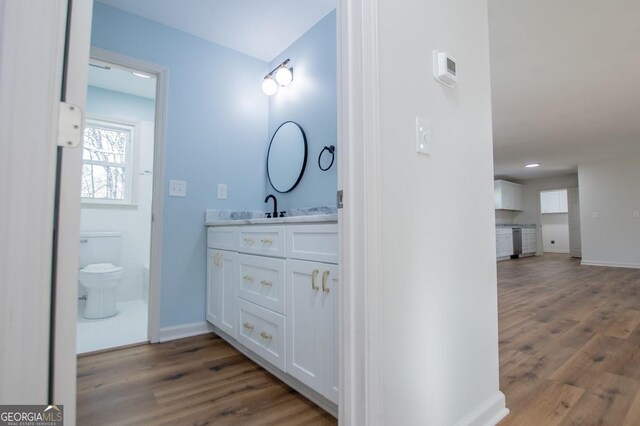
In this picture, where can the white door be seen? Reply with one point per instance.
(305, 300)
(222, 275)
(32, 47)
(575, 244)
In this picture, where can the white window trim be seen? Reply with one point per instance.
(131, 164)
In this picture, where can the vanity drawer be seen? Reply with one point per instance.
(317, 242)
(222, 237)
(263, 240)
(262, 331)
(262, 281)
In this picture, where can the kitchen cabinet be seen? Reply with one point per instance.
(504, 242)
(554, 201)
(312, 351)
(221, 289)
(508, 195)
(529, 241)
(273, 289)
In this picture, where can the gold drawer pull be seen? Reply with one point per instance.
(248, 278)
(314, 274)
(248, 241)
(248, 326)
(266, 241)
(325, 275)
(265, 335)
(266, 283)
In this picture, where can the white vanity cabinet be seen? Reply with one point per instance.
(273, 290)
(221, 289)
(312, 321)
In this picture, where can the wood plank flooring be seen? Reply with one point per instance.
(569, 342)
(196, 381)
(569, 355)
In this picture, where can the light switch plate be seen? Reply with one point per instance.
(222, 191)
(423, 136)
(177, 188)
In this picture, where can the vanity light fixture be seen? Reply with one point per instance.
(282, 75)
(531, 165)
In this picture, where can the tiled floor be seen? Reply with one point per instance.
(126, 328)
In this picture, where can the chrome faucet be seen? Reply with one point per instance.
(275, 205)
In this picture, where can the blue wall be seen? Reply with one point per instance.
(311, 101)
(218, 131)
(108, 103)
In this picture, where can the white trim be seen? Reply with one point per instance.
(610, 264)
(359, 117)
(489, 413)
(184, 330)
(556, 251)
(160, 125)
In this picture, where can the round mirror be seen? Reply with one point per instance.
(287, 157)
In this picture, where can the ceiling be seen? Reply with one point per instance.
(258, 28)
(565, 79)
(120, 80)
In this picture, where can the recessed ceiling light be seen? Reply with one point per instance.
(139, 74)
(532, 165)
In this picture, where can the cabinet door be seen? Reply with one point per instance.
(305, 300)
(329, 325)
(221, 289)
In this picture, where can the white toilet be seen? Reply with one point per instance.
(99, 273)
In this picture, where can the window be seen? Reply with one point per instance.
(107, 163)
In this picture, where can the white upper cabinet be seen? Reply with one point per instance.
(554, 201)
(508, 195)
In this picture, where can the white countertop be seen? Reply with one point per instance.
(276, 220)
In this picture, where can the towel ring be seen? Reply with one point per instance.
(331, 149)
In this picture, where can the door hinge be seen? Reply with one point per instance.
(69, 125)
(340, 199)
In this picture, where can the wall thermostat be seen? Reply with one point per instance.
(444, 68)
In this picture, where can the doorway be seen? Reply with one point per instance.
(554, 218)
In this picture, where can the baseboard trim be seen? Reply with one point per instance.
(184, 330)
(489, 413)
(610, 264)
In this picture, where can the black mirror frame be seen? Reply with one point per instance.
(304, 162)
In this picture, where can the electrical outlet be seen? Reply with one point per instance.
(553, 241)
(423, 137)
(596, 215)
(177, 188)
(222, 191)
(636, 213)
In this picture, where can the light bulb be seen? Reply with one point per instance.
(284, 76)
(269, 86)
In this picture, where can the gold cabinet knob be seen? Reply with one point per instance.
(325, 287)
(266, 241)
(248, 326)
(266, 283)
(265, 335)
(248, 241)
(314, 275)
(248, 278)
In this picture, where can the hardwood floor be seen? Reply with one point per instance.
(569, 355)
(569, 342)
(195, 381)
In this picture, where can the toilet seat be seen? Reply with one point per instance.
(105, 271)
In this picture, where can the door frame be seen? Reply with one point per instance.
(159, 140)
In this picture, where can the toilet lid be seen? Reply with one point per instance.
(101, 268)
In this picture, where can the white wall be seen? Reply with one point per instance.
(504, 217)
(611, 189)
(439, 358)
(555, 232)
(134, 222)
(532, 188)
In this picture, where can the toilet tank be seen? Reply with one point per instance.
(99, 247)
